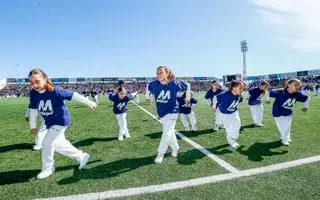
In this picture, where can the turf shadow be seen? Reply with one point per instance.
(258, 151)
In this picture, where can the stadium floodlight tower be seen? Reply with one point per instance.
(244, 49)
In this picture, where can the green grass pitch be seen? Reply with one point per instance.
(126, 164)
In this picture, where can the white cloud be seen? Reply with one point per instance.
(294, 22)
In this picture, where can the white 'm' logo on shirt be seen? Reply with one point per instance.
(289, 103)
(121, 105)
(233, 106)
(164, 96)
(45, 108)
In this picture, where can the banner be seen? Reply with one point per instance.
(3, 83)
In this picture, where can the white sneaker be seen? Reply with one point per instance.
(289, 140)
(285, 143)
(84, 161)
(194, 129)
(120, 138)
(260, 125)
(45, 173)
(36, 148)
(174, 154)
(216, 127)
(235, 145)
(186, 129)
(159, 158)
(127, 135)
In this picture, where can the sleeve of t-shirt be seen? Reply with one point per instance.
(301, 97)
(273, 93)
(151, 87)
(181, 86)
(64, 94)
(112, 97)
(219, 97)
(207, 95)
(32, 103)
(127, 98)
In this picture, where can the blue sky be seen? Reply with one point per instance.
(103, 38)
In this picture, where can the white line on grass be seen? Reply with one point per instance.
(187, 183)
(213, 157)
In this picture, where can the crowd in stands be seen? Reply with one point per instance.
(23, 89)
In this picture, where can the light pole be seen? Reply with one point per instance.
(244, 49)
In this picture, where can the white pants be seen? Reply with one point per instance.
(257, 113)
(136, 99)
(55, 141)
(96, 99)
(284, 126)
(168, 133)
(218, 121)
(185, 122)
(41, 133)
(122, 121)
(232, 124)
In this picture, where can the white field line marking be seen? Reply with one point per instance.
(213, 157)
(187, 183)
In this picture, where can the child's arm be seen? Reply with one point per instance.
(214, 103)
(306, 105)
(33, 120)
(149, 93)
(267, 96)
(188, 92)
(81, 99)
(27, 115)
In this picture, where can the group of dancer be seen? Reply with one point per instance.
(172, 98)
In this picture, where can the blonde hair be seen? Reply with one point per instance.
(49, 85)
(171, 76)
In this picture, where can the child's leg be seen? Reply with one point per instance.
(289, 121)
(218, 121)
(125, 126)
(136, 98)
(284, 126)
(184, 121)
(121, 126)
(232, 124)
(168, 135)
(96, 99)
(55, 141)
(193, 120)
(257, 114)
(64, 147)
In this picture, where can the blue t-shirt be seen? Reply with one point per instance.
(51, 106)
(210, 94)
(255, 96)
(166, 96)
(184, 107)
(284, 101)
(228, 103)
(119, 105)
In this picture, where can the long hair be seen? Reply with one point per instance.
(171, 76)
(215, 83)
(49, 85)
